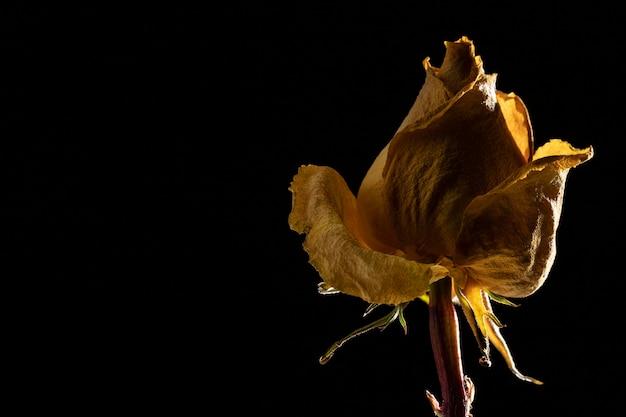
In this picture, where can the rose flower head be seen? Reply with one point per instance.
(459, 192)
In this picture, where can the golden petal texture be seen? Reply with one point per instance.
(459, 180)
(325, 209)
(507, 240)
(460, 139)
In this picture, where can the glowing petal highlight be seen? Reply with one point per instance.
(507, 240)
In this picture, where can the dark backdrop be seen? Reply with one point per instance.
(148, 153)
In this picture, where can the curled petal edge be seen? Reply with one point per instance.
(444, 86)
(324, 208)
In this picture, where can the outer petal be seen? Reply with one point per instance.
(507, 237)
(434, 171)
(460, 139)
(375, 225)
(325, 209)
(458, 73)
(516, 115)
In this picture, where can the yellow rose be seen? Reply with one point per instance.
(458, 192)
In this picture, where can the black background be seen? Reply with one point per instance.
(148, 152)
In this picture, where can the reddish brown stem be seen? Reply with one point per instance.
(444, 336)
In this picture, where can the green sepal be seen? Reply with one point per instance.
(481, 339)
(501, 300)
(381, 323)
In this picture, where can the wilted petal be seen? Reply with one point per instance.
(325, 209)
(516, 115)
(375, 227)
(460, 139)
(507, 237)
(434, 172)
(458, 73)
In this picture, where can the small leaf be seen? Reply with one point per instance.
(381, 324)
(326, 289)
(370, 308)
(501, 300)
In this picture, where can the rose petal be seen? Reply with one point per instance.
(433, 172)
(454, 144)
(518, 121)
(325, 209)
(557, 147)
(375, 227)
(507, 237)
(460, 66)
(458, 73)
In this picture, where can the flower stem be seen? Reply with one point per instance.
(444, 336)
